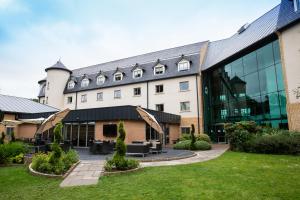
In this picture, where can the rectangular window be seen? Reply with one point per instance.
(185, 106)
(137, 73)
(185, 130)
(118, 77)
(183, 66)
(159, 70)
(265, 56)
(159, 88)
(83, 98)
(296, 5)
(100, 96)
(159, 107)
(137, 91)
(69, 100)
(117, 94)
(184, 86)
(110, 130)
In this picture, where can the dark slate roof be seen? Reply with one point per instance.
(11, 104)
(287, 15)
(263, 27)
(117, 113)
(58, 65)
(168, 57)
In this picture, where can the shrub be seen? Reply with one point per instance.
(193, 138)
(69, 158)
(19, 159)
(40, 162)
(182, 144)
(57, 132)
(202, 145)
(185, 136)
(203, 137)
(239, 133)
(118, 162)
(281, 143)
(56, 153)
(10, 150)
(2, 138)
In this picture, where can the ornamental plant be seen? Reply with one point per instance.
(120, 153)
(57, 133)
(193, 138)
(2, 138)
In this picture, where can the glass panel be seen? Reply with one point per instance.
(82, 135)
(282, 102)
(265, 56)
(75, 135)
(271, 106)
(237, 68)
(267, 80)
(91, 133)
(227, 69)
(280, 82)
(250, 63)
(252, 84)
(276, 51)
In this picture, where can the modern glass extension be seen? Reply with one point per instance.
(249, 88)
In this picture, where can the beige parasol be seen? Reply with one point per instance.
(10, 123)
(150, 119)
(52, 120)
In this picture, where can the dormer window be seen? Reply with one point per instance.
(137, 73)
(100, 79)
(183, 65)
(71, 84)
(159, 69)
(85, 82)
(118, 76)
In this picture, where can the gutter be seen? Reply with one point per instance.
(198, 112)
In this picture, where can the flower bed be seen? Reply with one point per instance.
(12, 153)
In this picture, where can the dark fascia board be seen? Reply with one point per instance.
(58, 68)
(244, 51)
(41, 96)
(117, 113)
(132, 83)
(41, 81)
(289, 25)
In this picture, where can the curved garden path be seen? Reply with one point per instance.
(201, 156)
(87, 172)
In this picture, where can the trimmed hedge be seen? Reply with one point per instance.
(11, 152)
(249, 137)
(199, 145)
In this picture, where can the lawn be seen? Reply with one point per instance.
(231, 176)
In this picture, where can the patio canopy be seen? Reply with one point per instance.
(12, 123)
(150, 119)
(52, 120)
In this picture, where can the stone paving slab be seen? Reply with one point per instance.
(87, 172)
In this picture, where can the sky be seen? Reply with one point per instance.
(34, 34)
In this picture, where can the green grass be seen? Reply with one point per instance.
(231, 176)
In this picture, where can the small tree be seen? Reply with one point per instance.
(193, 138)
(2, 138)
(119, 156)
(12, 137)
(57, 133)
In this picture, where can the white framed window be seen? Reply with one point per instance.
(137, 91)
(100, 79)
(159, 69)
(118, 76)
(69, 100)
(183, 65)
(85, 82)
(71, 84)
(117, 94)
(159, 107)
(185, 106)
(159, 89)
(184, 86)
(137, 73)
(83, 98)
(100, 96)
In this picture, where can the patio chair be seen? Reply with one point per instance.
(156, 148)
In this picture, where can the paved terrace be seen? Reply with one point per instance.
(90, 168)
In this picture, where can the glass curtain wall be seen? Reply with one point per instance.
(80, 134)
(249, 88)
